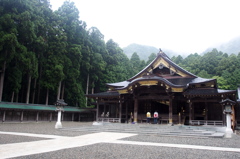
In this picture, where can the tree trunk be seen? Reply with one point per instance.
(63, 88)
(39, 87)
(17, 97)
(34, 90)
(47, 96)
(93, 87)
(59, 90)
(87, 89)
(22, 94)
(2, 80)
(12, 96)
(28, 89)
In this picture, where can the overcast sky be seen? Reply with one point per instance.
(186, 26)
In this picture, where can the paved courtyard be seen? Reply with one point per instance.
(83, 140)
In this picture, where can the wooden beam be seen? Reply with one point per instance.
(120, 110)
(170, 111)
(152, 97)
(111, 101)
(206, 100)
(141, 91)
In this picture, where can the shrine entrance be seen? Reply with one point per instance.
(178, 96)
(162, 107)
(156, 98)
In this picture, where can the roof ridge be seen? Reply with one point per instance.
(161, 54)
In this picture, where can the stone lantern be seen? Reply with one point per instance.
(227, 103)
(59, 108)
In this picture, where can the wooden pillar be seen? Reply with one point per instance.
(21, 119)
(126, 120)
(27, 115)
(135, 110)
(193, 112)
(12, 115)
(104, 109)
(190, 113)
(37, 116)
(50, 117)
(120, 110)
(97, 110)
(4, 116)
(79, 117)
(170, 111)
(206, 111)
(72, 116)
(116, 110)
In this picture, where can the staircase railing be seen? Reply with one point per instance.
(207, 122)
(113, 120)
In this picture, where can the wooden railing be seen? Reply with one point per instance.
(206, 122)
(113, 120)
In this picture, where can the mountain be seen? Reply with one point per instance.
(230, 47)
(144, 51)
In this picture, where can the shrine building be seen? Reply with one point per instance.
(178, 96)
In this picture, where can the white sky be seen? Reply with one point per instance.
(186, 26)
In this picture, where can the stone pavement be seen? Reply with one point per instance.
(57, 143)
(163, 130)
(99, 136)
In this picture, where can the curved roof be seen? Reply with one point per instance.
(175, 82)
(39, 107)
(182, 80)
(108, 94)
(208, 91)
(162, 58)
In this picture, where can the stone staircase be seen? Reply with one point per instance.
(195, 131)
(154, 129)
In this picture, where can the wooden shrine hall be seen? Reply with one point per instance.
(178, 96)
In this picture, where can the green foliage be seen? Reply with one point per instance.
(214, 64)
(136, 64)
(151, 58)
(204, 74)
(55, 47)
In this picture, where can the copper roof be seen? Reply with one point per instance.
(39, 107)
(173, 81)
(108, 94)
(207, 91)
(155, 62)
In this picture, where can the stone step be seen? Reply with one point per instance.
(181, 131)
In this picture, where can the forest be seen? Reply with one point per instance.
(47, 55)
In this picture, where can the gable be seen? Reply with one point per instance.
(163, 72)
(165, 65)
